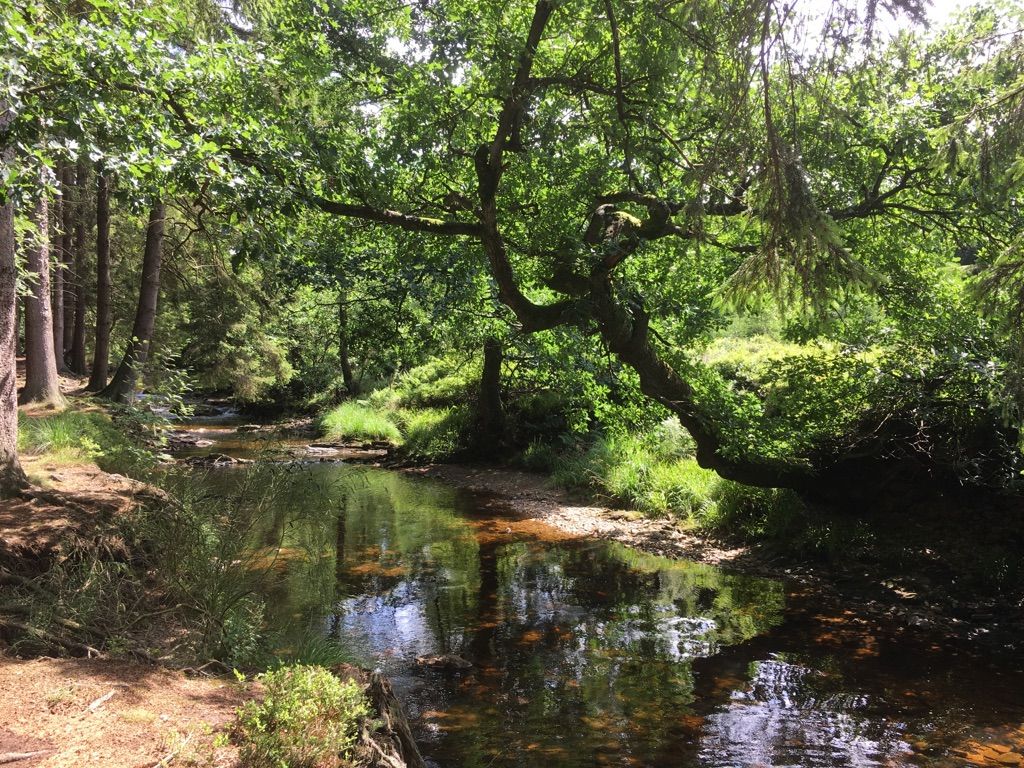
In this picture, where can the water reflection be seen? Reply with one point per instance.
(589, 653)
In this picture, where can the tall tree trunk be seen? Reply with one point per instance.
(78, 364)
(101, 352)
(346, 365)
(70, 203)
(41, 381)
(57, 295)
(122, 387)
(12, 479)
(490, 414)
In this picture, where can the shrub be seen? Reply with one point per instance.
(308, 718)
(355, 420)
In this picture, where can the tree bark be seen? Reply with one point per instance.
(41, 381)
(122, 387)
(12, 478)
(490, 413)
(346, 365)
(77, 356)
(69, 204)
(101, 351)
(60, 247)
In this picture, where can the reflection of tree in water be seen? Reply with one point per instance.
(585, 649)
(786, 717)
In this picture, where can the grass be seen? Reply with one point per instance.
(357, 421)
(656, 474)
(77, 437)
(423, 433)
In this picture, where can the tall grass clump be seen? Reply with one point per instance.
(652, 472)
(434, 434)
(359, 421)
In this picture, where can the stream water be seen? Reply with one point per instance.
(588, 653)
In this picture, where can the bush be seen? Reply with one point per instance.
(308, 718)
(357, 421)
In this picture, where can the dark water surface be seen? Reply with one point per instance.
(589, 653)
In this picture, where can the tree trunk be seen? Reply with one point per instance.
(70, 202)
(41, 381)
(60, 247)
(490, 414)
(12, 479)
(346, 365)
(122, 387)
(101, 351)
(78, 364)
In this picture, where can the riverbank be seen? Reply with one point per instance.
(907, 597)
(96, 662)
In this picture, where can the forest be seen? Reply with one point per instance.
(338, 338)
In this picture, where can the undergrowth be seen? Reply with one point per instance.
(307, 718)
(115, 443)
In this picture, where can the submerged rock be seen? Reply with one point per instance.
(215, 460)
(445, 661)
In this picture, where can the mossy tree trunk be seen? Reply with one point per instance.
(490, 411)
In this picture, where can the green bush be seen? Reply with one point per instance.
(358, 421)
(308, 718)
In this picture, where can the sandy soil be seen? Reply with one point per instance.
(87, 712)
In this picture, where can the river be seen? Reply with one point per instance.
(588, 653)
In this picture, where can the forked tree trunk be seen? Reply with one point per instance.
(69, 206)
(122, 387)
(77, 355)
(41, 381)
(101, 350)
(12, 479)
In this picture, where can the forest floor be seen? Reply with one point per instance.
(913, 579)
(61, 713)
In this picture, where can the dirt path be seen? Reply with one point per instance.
(115, 714)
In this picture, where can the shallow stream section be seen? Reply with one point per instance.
(588, 653)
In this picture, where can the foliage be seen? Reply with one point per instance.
(307, 718)
(77, 436)
(357, 421)
(435, 434)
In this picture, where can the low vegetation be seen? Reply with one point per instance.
(307, 718)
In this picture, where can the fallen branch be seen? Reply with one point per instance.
(14, 757)
(166, 759)
(85, 650)
(102, 700)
